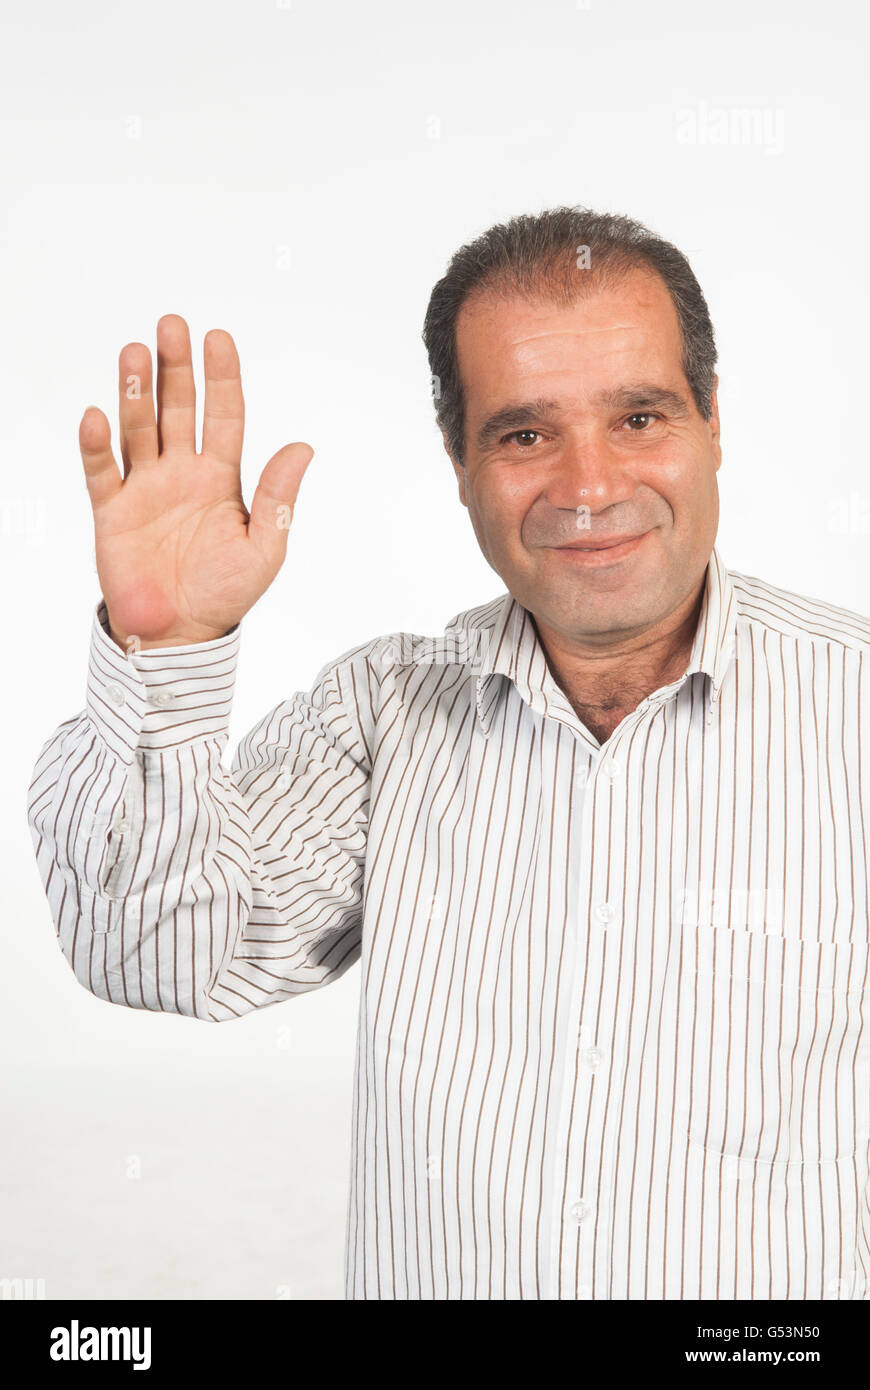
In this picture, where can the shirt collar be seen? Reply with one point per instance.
(512, 648)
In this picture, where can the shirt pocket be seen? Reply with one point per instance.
(779, 1059)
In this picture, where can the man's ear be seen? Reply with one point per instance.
(458, 470)
(714, 423)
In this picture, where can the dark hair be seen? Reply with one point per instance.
(539, 256)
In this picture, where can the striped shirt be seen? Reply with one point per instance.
(613, 1030)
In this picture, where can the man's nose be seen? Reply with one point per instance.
(589, 473)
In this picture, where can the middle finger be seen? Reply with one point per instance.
(176, 390)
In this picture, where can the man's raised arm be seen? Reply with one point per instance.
(175, 883)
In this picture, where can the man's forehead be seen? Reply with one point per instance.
(504, 341)
(599, 305)
(515, 335)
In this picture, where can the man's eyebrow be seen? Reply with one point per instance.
(513, 417)
(629, 398)
(644, 397)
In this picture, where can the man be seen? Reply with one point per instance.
(600, 849)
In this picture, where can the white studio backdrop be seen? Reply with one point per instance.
(299, 174)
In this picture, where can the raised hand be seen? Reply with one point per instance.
(179, 557)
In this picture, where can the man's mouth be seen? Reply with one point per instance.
(600, 549)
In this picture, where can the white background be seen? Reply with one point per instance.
(300, 174)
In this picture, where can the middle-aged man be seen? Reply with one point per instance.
(600, 848)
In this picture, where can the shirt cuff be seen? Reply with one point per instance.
(160, 698)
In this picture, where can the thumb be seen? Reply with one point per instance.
(275, 499)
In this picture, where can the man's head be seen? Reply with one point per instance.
(573, 362)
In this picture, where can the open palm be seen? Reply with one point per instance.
(180, 558)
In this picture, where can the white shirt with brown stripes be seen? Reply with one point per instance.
(614, 1030)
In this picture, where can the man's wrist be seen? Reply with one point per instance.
(133, 643)
(161, 698)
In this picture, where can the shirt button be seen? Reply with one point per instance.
(604, 912)
(162, 698)
(115, 694)
(593, 1057)
(613, 768)
(121, 826)
(581, 1211)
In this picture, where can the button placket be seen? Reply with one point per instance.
(593, 1259)
(571, 1260)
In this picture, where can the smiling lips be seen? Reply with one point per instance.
(605, 547)
(601, 542)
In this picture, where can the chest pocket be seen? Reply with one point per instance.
(780, 1057)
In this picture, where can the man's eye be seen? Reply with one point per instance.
(643, 415)
(522, 437)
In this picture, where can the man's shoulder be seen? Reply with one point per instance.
(789, 613)
(460, 642)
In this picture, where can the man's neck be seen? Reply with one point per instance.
(605, 685)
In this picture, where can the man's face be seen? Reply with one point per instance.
(581, 427)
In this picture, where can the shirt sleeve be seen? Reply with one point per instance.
(177, 884)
